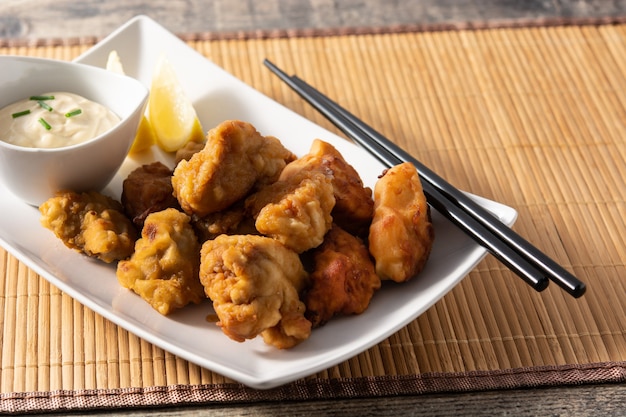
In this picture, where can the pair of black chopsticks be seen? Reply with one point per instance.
(533, 266)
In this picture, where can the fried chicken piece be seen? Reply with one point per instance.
(235, 159)
(401, 234)
(164, 268)
(296, 212)
(232, 221)
(254, 283)
(146, 190)
(91, 223)
(188, 150)
(343, 280)
(354, 205)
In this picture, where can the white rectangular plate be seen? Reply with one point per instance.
(218, 96)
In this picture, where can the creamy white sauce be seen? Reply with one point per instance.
(28, 130)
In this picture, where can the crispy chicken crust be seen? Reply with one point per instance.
(235, 159)
(233, 221)
(343, 279)
(146, 190)
(401, 234)
(254, 283)
(296, 211)
(354, 205)
(164, 268)
(188, 150)
(91, 223)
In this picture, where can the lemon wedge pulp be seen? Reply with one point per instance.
(114, 63)
(144, 138)
(170, 112)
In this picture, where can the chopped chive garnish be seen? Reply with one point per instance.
(44, 123)
(40, 98)
(44, 105)
(20, 114)
(73, 113)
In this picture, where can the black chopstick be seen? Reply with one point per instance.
(486, 229)
(383, 146)
(455, 214)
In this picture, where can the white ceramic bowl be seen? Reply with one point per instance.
(35, 174)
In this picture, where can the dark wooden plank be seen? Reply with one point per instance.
(580, 401)
(44, 19)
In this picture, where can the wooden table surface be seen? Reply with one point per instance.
(32, 20)
(46, 19)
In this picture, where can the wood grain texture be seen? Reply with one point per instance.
(583, 401)
(46, 19)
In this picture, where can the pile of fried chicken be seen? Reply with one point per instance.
(279, 244)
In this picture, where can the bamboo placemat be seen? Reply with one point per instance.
(531, 117)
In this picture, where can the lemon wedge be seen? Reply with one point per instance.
(114, 63)
(171, 113)
(144, 138)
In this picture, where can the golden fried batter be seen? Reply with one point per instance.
(147, 189)
(188, 150)
(354, 205)
(254, 283)
(164, 268)
(91, 223)
(343, 280)
(232, 221)
(401, 234)
(296, 212)
(235, 159)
